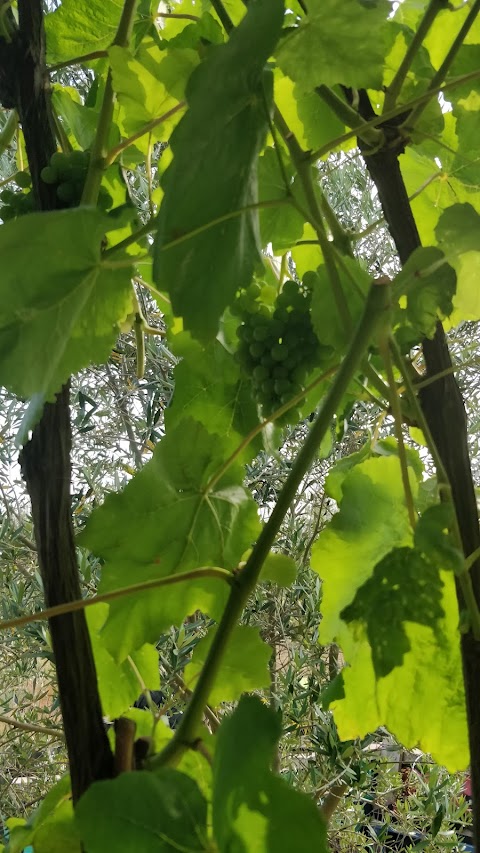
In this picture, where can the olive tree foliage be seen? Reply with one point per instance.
(172, 175)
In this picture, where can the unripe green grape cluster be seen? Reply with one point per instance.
(277, 344)
(67, 172)
(15, 203)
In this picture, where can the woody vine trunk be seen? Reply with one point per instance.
(46, 457)
(444, 411)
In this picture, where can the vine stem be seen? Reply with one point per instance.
(376, 306)
(393, 113)
(440, 75)
(111, 156)
(232, 214)
(79, 60)
(303, 166)
(99, 147)
(372, 136)
(83, 603)
(395, 87)
(398, 420)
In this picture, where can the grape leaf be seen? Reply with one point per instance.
(404, 587)
(338, 43)
(244, 665)
(354, 284)
(78, 27)
(432, 537)
(458, 234)
(118, 683)
(373, 520)
(60, 306)
(216, 144)
(254, 810)
(208, 388)
(458, 229)
(143, 812)
(429, 284)
(433, 187)
(150, 84)
(51, 828)
(308, 117)
(372, 514)
(279, 569)
(281, 226)
(164, 522)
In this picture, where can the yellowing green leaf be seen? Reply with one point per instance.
(279, 568)
(373, 520)
(150, 84)
(404, 587)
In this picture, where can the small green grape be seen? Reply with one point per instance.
(282, 386)
(49, 175)
(280, 352)
(79, 158)
(59, 161)
(7, 196)
(260, 372)
(7, 213)
(280, 371)
(254, 290)
(256, 349)
(23, 180)
(260, 333)
(66, 191)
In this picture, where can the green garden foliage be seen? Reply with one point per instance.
(208, 126)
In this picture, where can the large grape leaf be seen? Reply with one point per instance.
(213, 175)
(373, 520)
(209, 389)
(164, 522)
(143, 812)
(60, 305)
(119, 684)
(150, 83)
(338, 43)
(81, 26)
(404, 587)
(255, 811)
(244, 666)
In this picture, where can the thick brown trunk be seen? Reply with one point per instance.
(46, 458)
